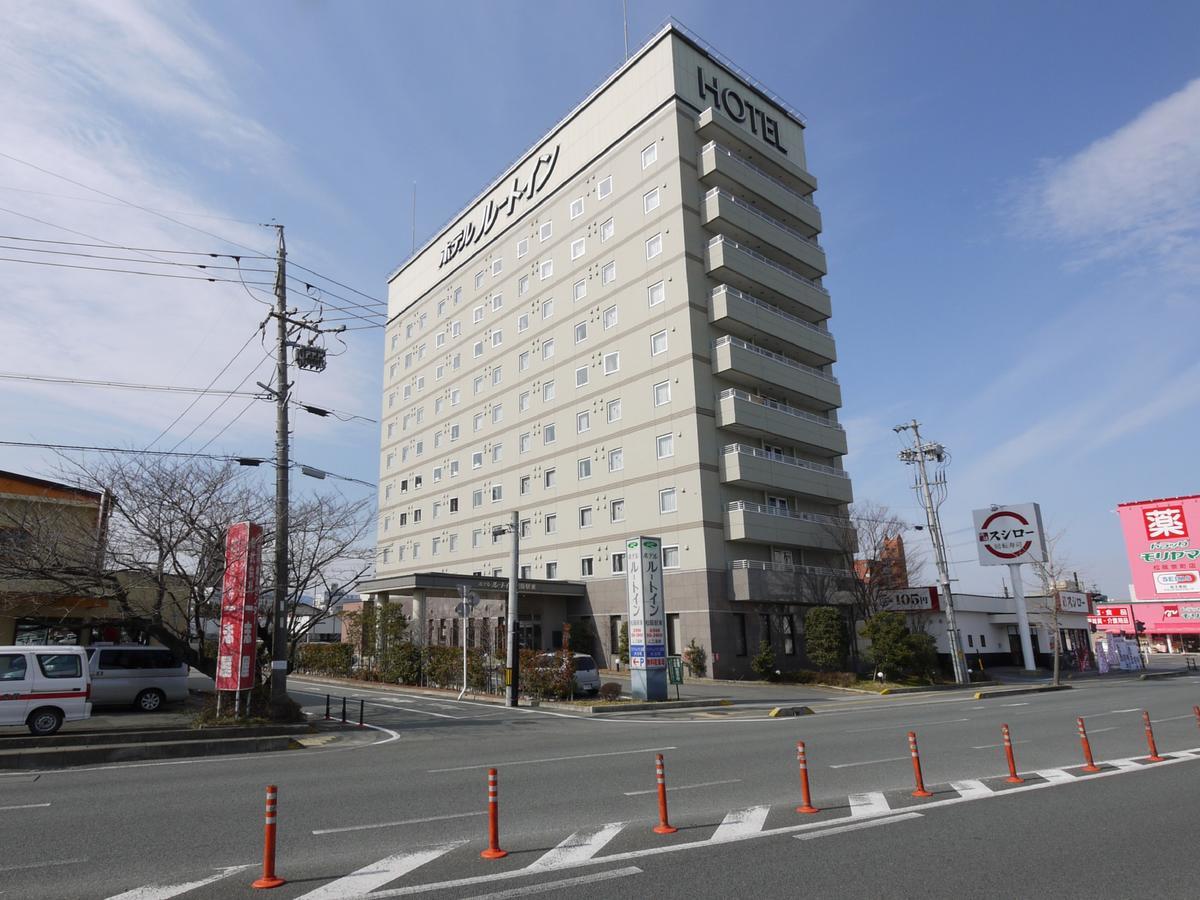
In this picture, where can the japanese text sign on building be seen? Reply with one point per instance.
(647, 613)
(1010, 534)
(1163, 558)
(239, 607)
(1073, 602)
(918, 599)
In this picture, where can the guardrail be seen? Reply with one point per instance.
(820, 327)
(718, 148)
(784, 270)
(784, 459)
(729, 340)
(770, 220)
(778, 407)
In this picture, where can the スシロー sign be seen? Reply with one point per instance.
(1163, 556)
(1006, 535)
(1073, 602)
(647, 614)
(924, 599)
(239, 607)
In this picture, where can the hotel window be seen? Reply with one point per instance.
(523, 485)
(453, 504)
(616, 510)
(580, 332)
(664, 445)
(586, 566)
(616, 459)
(457, 296)
(658, 343)
(585, 517)
(618, 563)
(478, 280)
(477, 422)
(497, 452)
(477, 315)
(545, 269)
(662, 393)
(548, 391)
(497, 493)
(477, 459)
(456, 329)
(656, 293)
(477, 498)
(497, 302)
(577, 247)
(548, 348)
(523, 401)
(650, 201)
(576, 207)
(607, 229)
(522, 247)
(551, 523)
(583, 422)
(497, 266)
(408, 330)
(549, 434)
(545, 230)
(581, 376)
(612, 362)
(441, 308)
(420, 447)
(439, 404)
(610, 318)
(649, 155)
(608, 274)
(403, 519)
(523, 361)
(614, 410)
(583, 468)
(654, 246)
(522, 322)
(455, 397)
(497, 337)
(387, 551)
(456, 361)
(477, 538)
(604, 188)
(395, 341)
(579, 289)
(416, 516)
(454, 468)
(391, 429)
(497, 375)
(435, 546)
(439, 373)
(551, 570)
(670, 558)
(550, 478)
(477, 350)
(525, 528)
(477, 384)
(522, 285)
(497, 413)
(547, 308)
(438, 439)
(453, 542)
(524, 442)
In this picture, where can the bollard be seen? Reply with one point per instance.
(1196, 710)
(326, 706)
(343, 710)
(663, 826)
(1087, 747)
(360, 713)
(269, 878)
(1153, 757)
(806, 806)
(1013, 777)
(493, 850)
(916, 758)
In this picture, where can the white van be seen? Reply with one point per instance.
(134, 674)
(42, 687)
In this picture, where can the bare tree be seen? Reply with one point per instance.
(871, 548)
(1051, 575)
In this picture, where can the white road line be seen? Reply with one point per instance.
(1026, 703)
(532, 762)
(346, 828)
(1131, 709)
(684, 787)
(910, 727)
(377, 874)
(890, 820)
(166, 891)
(579, 847)
(1055, 776)
(739, 822)
(1173, 718)
(868, 762)
(547, 886)
(871, 803)
(42, 865)
(25, 806)
(997, 746)
(972, 788)
(1102, 730)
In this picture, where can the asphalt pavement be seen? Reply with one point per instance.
(399, 807)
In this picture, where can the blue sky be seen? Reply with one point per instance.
(1011, 196)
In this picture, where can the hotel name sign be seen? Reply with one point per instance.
(740, 109)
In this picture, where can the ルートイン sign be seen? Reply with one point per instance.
(1010, 534)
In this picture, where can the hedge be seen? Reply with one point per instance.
(324, 659)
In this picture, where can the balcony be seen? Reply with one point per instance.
(757, 417)
(757, 320)
(761, 524)
(750, 365)
(721, 166)
(754, 581)
(723, 212)
(750, 271)
(714, 125)
(753, 467)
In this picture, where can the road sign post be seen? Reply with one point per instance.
(675, 672)
(1010, 536)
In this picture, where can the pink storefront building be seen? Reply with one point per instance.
(1161, 627)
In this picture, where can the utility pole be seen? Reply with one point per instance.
(919, 454)
(512, 665)
(278, 620)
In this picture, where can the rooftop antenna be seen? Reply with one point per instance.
(414, 218)
(625, 21)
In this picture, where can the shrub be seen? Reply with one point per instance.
(695, 658)
(891, 649)
(825, 637)
(924, 655)
(550, 678)
(763, 663)
(807, 676)
(401, 664)
(623, 643)
(610, 690)
(324, 659)
(583, 637)
(443, 666)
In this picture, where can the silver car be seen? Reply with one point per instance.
(132, 674)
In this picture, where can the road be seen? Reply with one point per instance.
(403, 807)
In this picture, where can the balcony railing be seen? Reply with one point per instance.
(737, 201)
(779, 407)
(729, 340)
(774, 310)
(787, 567)
(783, 270)
(764, 509)
(713, 145)
(785, 459)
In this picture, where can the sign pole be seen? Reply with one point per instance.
(1014, 574)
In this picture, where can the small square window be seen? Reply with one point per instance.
(608, 274)
(586, 566)
(670, 557)
(576, 207)
(649, 156)
(523, 485)
(477, 350)
(497, 301)
(497, 375)
(477, 498)
(580, 332)
(579, 289)
(525, 442)
(656, 294)
(523, 361)
(478, 280)
(664, 444)
(456, 329)
(497, 493)
(581, 376)
(585, 517)
(522, 285)
(497, 413)
(577, 248)
(497, 266)
(545, 269)
(614, 410)
(607, 229)
(604, 188)
(654, 246)
(477, 422)
(545, 231)
(610, 318)
(583, 422)
(612, 363)
(550, 478)
(523, 401)
(548, 348)
(522, 247)
(477, 384)
(548, 391)
(662, 393)
(616, 459)
(549, 434)
(522, 322)
(551, 570)
(618, 563)
(616, 510)
(497, 337)
(477, 460)
(547, 308)
(658, 343)
(584, 468)
(650, 201)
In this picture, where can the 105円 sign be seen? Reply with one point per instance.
(1006, 535)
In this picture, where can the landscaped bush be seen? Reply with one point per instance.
(825, 637)
(401, 664)
(324, 659)
(547, 676)
(807, 676)
(695, 658)
(896, 652)
(610, 690)
(763, 663)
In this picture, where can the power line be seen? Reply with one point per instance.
(42, 262)
(112, 246)
(168, 262)
(228, 397)
(251, 460)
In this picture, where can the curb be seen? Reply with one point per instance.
(637, 707)
(70, 739)
(933, 688)
(1157, 676)
(780, 711)
(61, 757)
(1012, 692)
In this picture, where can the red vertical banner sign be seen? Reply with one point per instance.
(239, 607)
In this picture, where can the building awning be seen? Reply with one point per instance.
(449, 584)
(1068, 621)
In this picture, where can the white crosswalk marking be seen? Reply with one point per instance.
(1055, 776)
(378, 874)
(579, 847)
(741, 821)
(1124, 764)
(971, 788)
(872, 803)
(167, 891)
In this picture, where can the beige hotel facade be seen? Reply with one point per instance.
(626, 333)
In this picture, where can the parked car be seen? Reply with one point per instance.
(41, 687)
(587, 674)
(146, 677)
